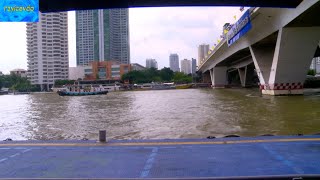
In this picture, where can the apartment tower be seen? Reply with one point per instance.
(47, 49)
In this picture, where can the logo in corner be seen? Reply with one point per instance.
(19, 10)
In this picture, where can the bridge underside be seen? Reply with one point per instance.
(280, 61)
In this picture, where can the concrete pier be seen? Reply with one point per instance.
(282, 69)
(265, 156)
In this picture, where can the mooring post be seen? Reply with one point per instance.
(102, 136)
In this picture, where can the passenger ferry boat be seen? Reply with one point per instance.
(82, 90)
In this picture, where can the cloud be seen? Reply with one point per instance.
(154, 33)
(157, 32)
(13, 52)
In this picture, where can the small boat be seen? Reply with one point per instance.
(20, 93)
(162, 87)
(4, 92)
(183, 86)
(79, 90)
(146, 86)
(56, 89)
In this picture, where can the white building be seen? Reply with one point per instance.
(137, 67)
(47, 49)
(1, 73)
(202, 52)
(19, 72)
(186, 66)
(76, 73)
(151, 63)
(102, 35)
(174, 62)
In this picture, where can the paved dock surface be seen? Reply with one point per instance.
(184, 158)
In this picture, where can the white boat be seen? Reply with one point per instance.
(55, 89)
(111, 87)
(82, 90)
(146, 86)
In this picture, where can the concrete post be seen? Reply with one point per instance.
(206, 77)
(102, 136)
(293, 53)
(211, 76)
(243, 75)
(262, 59)
(219, 77)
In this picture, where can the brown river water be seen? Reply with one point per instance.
(187, 113)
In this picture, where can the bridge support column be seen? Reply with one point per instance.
(218, 77)
(206, 77)
(282, 69)
(243, 75)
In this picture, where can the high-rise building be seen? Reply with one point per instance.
(186, 66)
(202, 52)
(174, 62)
(102, 35)
(47, 49)
(151, 63)
(193, 66)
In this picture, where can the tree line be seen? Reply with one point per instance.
(153, 75)
(16, 83)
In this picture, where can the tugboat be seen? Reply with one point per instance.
(79, 90)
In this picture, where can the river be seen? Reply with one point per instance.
(189, 113)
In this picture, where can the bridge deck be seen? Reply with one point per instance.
(185, 158)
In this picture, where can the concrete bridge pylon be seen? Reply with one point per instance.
(282, 67)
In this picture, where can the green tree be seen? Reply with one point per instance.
(180, 77)
(311, 72)
(166, 74)
(151, 73)
(148, 75)
(135, 77)
(15, 82)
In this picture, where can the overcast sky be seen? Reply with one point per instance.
(154, 33)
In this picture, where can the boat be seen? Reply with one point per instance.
(162, 86)
(56, 89)
(4, 92)
(111, 87)
(184, 86)
(82, 90)
(20, 93)
(146, 86)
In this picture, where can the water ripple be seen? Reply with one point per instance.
(192, 113)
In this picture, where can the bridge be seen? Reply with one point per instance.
(278, 48)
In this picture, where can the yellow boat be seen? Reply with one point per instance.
(183, 86)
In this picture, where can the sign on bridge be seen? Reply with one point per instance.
(240, 28)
